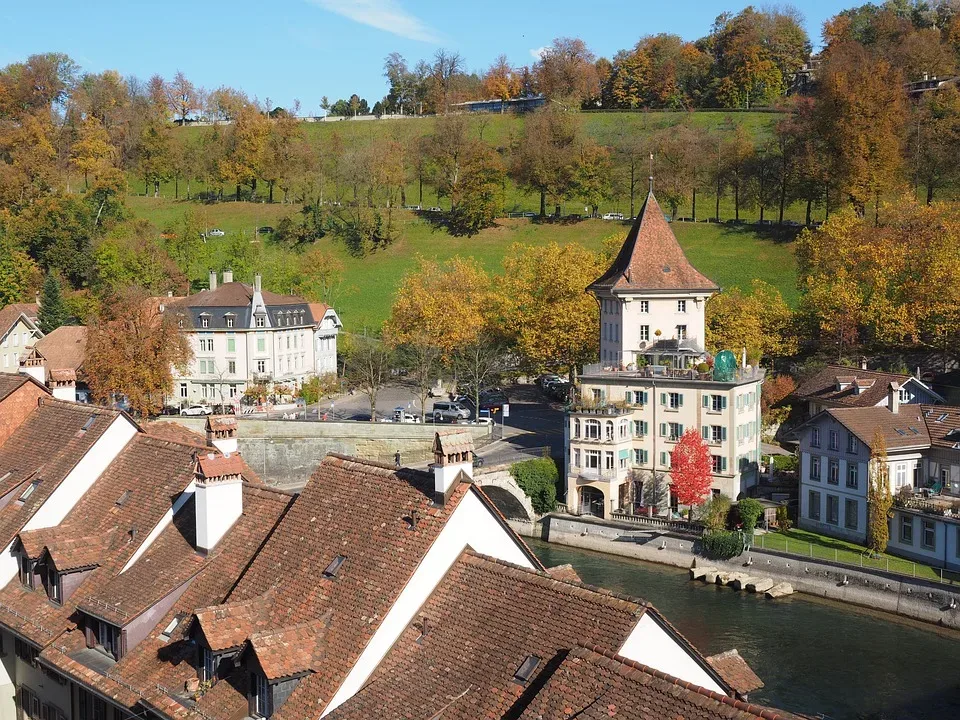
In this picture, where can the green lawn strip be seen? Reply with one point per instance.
(821, 547)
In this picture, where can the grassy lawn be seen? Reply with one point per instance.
(813, 545)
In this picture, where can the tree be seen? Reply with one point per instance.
(546, 154)
(246, 149)
(501, 81)
(691, 469)
(566, 72)
(936, 141)
(760, 321)
(154, 156)
(183, 96)
(132, 351)
(773, 392)
(19, 275)
(52, 313)
(92, 150)
(401, 82)
(447, 66)
(880, 499)
(367, 368)
(552, 321)
(480, 362)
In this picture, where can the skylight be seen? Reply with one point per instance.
(334, 566)
(900, 432)
(914, 430)
(28, 491)
(124, 497)
(942, 418)
(526, 669)
(89, 423)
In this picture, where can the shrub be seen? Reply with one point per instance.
(786, 463)
(750, 512)
(722, 544)
(714, 513)
(703, 368)
(783, 518)
(538, 479)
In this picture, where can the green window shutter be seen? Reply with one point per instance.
(628, 397)
(724, 402)
(663, 458)
(680, 398)
(723, 464)
(706, 401)
(723, 433)
(663, 429)
(644, 427)
(705, 431)
(624, 454)
(663, 398)
(643, 455)
(679, 429)
(644, 397)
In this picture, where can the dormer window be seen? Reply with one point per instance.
(681, 306)
(229, 319)
(108, 639)
(526, 669)
(261, 705)
(54, 585)
(334, 567)
(26, 570)
(260, 321)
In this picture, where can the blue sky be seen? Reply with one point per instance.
(305, 49)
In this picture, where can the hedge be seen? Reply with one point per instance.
(538, 479)
(722, 544)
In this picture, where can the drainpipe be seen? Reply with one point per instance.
(656, 429)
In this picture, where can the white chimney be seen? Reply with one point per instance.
(227, 276)
(218, 497)
(256, 282)
(453, 454)
(893, 398)
(222, 433)
(213, 279)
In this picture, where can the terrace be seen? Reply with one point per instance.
(606, 372)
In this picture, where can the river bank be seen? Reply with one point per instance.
(912, 598)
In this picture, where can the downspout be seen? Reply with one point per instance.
(654, 430)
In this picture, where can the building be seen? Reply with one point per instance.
(148, 574)
(241, 334)
(651, 384)
(515, 105)
(923, 465)
(18, 333)
(56, 360)
(842, 386)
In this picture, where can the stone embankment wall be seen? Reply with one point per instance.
(286, 452)
(912, 598)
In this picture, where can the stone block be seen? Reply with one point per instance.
(780, 590)
(759, 585)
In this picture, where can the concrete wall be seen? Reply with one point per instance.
(287, 452)
(917, 599)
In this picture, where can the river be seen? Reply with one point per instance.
(815, 656)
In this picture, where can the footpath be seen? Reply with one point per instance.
(917, 599)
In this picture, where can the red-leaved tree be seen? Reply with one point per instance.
(690, 470)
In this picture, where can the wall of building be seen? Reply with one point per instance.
(14, 346)
(650, 644)
(945, 549)
(14, 673)
(622, 320)
(15, 408)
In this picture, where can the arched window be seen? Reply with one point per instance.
(609, 435)
(576, 427)
(592, 429)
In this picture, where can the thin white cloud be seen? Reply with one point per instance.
(385, 15)
(537, 53)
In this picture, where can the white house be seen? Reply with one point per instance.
(242, 333)
(648, 388)
(18, 333)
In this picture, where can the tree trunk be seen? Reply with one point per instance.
(156, 188)
(633, 189)
(736, 202)
(253, 188)
(543, 204)
(717, 215)
(270, 185)
(188, 188)
(403, 195)
(694, 204)
(557, 211)
(809, 207)
(176, 187)
(929, 193)
(783, 202)
(761, 214)
(238, 192)
(420, 201)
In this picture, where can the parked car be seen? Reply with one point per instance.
(197, 410)
(444, 411)
(216, 232)
(560, 391)
(401, 415)
(493, 401)
(265, 230)
(412, 207)
(612, 216)
(547, 379)
(477, 461)
(434, 210)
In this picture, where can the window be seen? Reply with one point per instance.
(91, 707)
(900, 475)
(715, 403)
(54, 587)
(904, 395)
(208, 666)
(681, 306)
(232, 392)
(591, 459)
(640, 428)
(719, 463)
(206, 343)
(28, 491)
(906, 530)
(852, 445)
(928, 538)
(25, 651)
(576, 427)
(25, 570)
(180, 323)
(644, 306)
(815, 437)
(591, 429)
(261, 343)
(645, 333)
(107, 637)
(261, 695)
(674, 400)
(815, 468)
(834, 477)
(334, 567)
(204, 322)
(526, 669)
(183, 390)
(260, 321)
(833, 509)
(608, 434)
(853, 472)
(850, 514)
(639, 457)
(261, 366)
(232, 367)
(231, 344)
(675, 431)
(229, 320)
(681, 332)
(834, 440)
(813, 505)
(608, 460)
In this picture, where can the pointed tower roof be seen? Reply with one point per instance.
(651, 258)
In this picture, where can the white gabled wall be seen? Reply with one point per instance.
(650, 643)
(471, 524)
(74, 485)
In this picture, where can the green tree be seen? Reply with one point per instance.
(538, 479)
(19, 275)
(52, 313)
(880, 499)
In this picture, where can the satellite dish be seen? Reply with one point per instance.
(724, 366)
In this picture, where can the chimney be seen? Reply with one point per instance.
(863, 362)
(256, 282)
(222, 433)
(218, 497)
(213, 279)
(893, 398)
(227, 276)
(170, 293)
(452, 455)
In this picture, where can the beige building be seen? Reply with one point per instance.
(651, 384)
(18, 333)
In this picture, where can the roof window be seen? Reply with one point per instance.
(123, 498)
(526, 669)
(89, 423)
(28, 491)
(334, 567)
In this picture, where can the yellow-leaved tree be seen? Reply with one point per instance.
(879, 499)
(759, 321)
(551, 318)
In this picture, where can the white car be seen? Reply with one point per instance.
(612, 216)
(434, 210)
(197, 410)
(400, 415)
(216, 232)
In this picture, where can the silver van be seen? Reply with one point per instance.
(444, 411)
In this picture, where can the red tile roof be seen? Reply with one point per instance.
(11, 313)
(291, 650)
(318, 310)
(823, 386)
(901, 430)
(11, 382)
(594, 683)
(735, 671)
(231, 624)
(234, 294)
(651, 259)
(215, 465)
(65, 348)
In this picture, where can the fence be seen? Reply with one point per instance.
(777, 542)
(679, 526)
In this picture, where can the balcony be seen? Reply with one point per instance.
(618, 409)
(943, 505)
(593, 474)
(658, 372)
(602, 440)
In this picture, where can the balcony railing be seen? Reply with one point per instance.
(747, 374)
(593, 474)
(609, 410)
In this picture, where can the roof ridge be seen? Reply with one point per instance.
(756, 710)
(376, 464)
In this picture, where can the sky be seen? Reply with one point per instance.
(306, 49)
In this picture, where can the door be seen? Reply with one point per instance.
(591, 501)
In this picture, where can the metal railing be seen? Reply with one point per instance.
(681, 526)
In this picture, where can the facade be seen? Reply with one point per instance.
(148, 573)
(923, 466)
(242, 334)
(18, 333)
(650, 387)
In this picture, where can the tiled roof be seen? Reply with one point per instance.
(214, 465)
(943, 425)
(594, 683)
(474, 632)
(221, 422)
(318, 310)
(564, 572)
(291, 650)
(63, 375)
(75, 553)
(233, 295)
(10, 313)
(823, 386)
(11, 382)
(231, 624)
(651, 259)
(64, 348)
(904, 429)
(735, 671)
(174, 431)
(448, 442)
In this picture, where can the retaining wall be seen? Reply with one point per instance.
(286, 452)
(912, 598)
